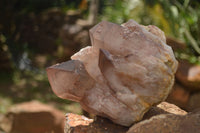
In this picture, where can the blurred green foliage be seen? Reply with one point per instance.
(184, 20)
(179, 19)
(22, 22)
(18, 16)
(26, 24)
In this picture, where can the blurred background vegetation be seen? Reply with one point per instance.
(35, 34)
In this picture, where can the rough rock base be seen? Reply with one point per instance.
(155, 118)
(81, 124)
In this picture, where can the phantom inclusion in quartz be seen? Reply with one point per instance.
(128, 69)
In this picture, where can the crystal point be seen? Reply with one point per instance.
(128, 69)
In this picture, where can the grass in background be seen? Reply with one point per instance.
(26, 86)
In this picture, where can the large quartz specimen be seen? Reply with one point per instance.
(128, 69)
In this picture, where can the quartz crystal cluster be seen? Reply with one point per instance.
(128, 69)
